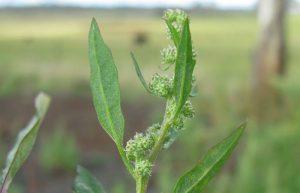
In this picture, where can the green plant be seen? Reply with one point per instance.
(24, 143)
(140, 153)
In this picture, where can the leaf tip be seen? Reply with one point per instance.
(42, 102)
(94, 24)
(243, 126)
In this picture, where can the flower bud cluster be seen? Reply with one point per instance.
(177, 124)
(138, 149)
(143, 168)
(169, 55)
(161, 85)
(176, 18)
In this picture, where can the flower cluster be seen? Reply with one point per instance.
(176, 18)
(143, 168)
(169, 55)
(138, 149)
(177, 125)
(161, 85)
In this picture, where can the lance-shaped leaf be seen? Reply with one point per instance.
(173, 32)
(85, 182)
(195, 179)
(24, 143)
(139, 73)
(184, 68)
(105, 85)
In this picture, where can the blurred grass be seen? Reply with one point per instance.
(54, 50)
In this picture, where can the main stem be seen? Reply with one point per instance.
(166, 125)
(142, 182)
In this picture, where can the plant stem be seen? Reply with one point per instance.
(141, 184)
(166, 125)
(125, 160)
(158, 146)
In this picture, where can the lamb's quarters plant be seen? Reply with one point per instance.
(24, 143)
(140, 153)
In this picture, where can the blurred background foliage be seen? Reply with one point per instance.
(46, 49)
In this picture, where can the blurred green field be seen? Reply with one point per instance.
(47, 50)
(52, 48)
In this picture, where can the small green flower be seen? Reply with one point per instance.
(175, 15)
(169, 55)
(154, 131)
(160, 85)
(178, 123)
(188, 110)
(171, 107)
(143, 168)
(176, 18)
(131, 150)
(138, 147)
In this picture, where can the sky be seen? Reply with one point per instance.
(244, 4)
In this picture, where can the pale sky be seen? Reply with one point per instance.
(143, 3)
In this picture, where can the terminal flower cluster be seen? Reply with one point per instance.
(175, 18)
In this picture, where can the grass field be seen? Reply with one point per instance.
(46, 49)
(52, 48)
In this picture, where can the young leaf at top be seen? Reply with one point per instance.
(24, 143)
(184, 68)
(195, 179)
(139, 73)
(105, 85)
(85, 182)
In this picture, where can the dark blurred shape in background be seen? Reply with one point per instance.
(248, 69)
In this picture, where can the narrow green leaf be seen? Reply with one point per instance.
(24, 143)
(85, 182)
(174, 34)
(105, 85)
(139, 73)
(195, 179)
(184, 68)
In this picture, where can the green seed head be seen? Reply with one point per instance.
(138, 147)
(169, 55)
(160, 85)
(178, 124)
(143, 168)
(154, 131)
(176, 18)
(188, 111)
